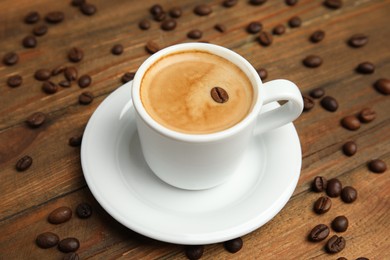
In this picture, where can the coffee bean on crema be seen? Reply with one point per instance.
(219, 95)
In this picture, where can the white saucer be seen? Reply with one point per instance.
(122, 183)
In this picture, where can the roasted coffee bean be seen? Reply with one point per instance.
(342, 258)
(291, 2)
(335, 244)
(229, 3)
(348, 194)
(351, 123)
(32, 17)
(175, 12)
(279, 29)
(47, 240)
(367, 115)
(333, 4)
(340, 224)
(194, 252)
(295, 22)
(88, 9)
(117, 49)
(49, 87)
(65, 83)
(55, 17)
(70, 244)
(156, 9)
(160, 17)
(10, 58)
(78, 2)
(308, 103)
(312, 61)
(377, 166)
(265, 38)
(220, 27)
(257, 2)
(317, 93)
(144, 24)
(383, 86)
(234, 245)
(56, 71)
(84, 210)
(358, 40)
(362, 258)
(195, 34)
(219, 95)
(319, 233)
(75, 141)
(317, 36)
(86, 98)
(42, 74)
(60, 215)
(128, 76)
(319, 184)
(254, 27)
(14, 81)
(152, 47)
(203, 10)
(322, 205)
(350, 148)
(36, 119)
(75, 54)
(23, 163)
(333, 188)
(263, 73)
(329, 103)
(29, 41)
(85, 81)
(40, 30)
(366, 68)
(71, 256)
(70, 73)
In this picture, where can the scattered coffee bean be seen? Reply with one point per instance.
(29, 41)
(42, 74)
(329, 103)
(229, 3)
(47, 240)
(168, 25)
(351, 123)
(194, 252)
(203, 10)
(254, 27)
(362, 258)
(257, 2)
(342, 258)
(333, 4)
(64, 83)
(340, 224)
(40, 30)
(367, 115)
(84, 210)
(317, 36)
(75, 141)
(10, 58)
(265, 38)
(144, 24)
(71, 256)
(377, 166)
(350, 148)
(156, 10)
(85, 81)
(55, 17)
(14, 81)
(219, 95)
(291, 2)
(56, 71)
(312, 61)
(128, 76)
(322, 205)
(383, 86)
(160, 17)
(348, 194)
(263, 73)
(86, 98)
(365, 68)
(335, 244)
(234, 245)
(23, 163)
(295, 22)
(152, 47)
(319, 184)
(308, 103)
(358, 40)
(195, 34)
(117, 49)
(49, 87)
(70, 244)
(317, 93)
(36, 119)
(279, 29)
(32, 17)
(88, 9)
(75, 54)
(77, 2)
(175, 12)
(70, 73)
(319, 233)
(60, 215)
(333, 188)
(220, 27)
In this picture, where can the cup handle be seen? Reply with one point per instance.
(277, 90)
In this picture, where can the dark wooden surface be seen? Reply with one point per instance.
(55, 177)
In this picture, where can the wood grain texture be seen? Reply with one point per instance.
(55, 177)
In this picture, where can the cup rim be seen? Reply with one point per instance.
(223, 52)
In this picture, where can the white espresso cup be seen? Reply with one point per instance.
(203, 161)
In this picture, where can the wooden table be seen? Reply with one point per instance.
(55, 178)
